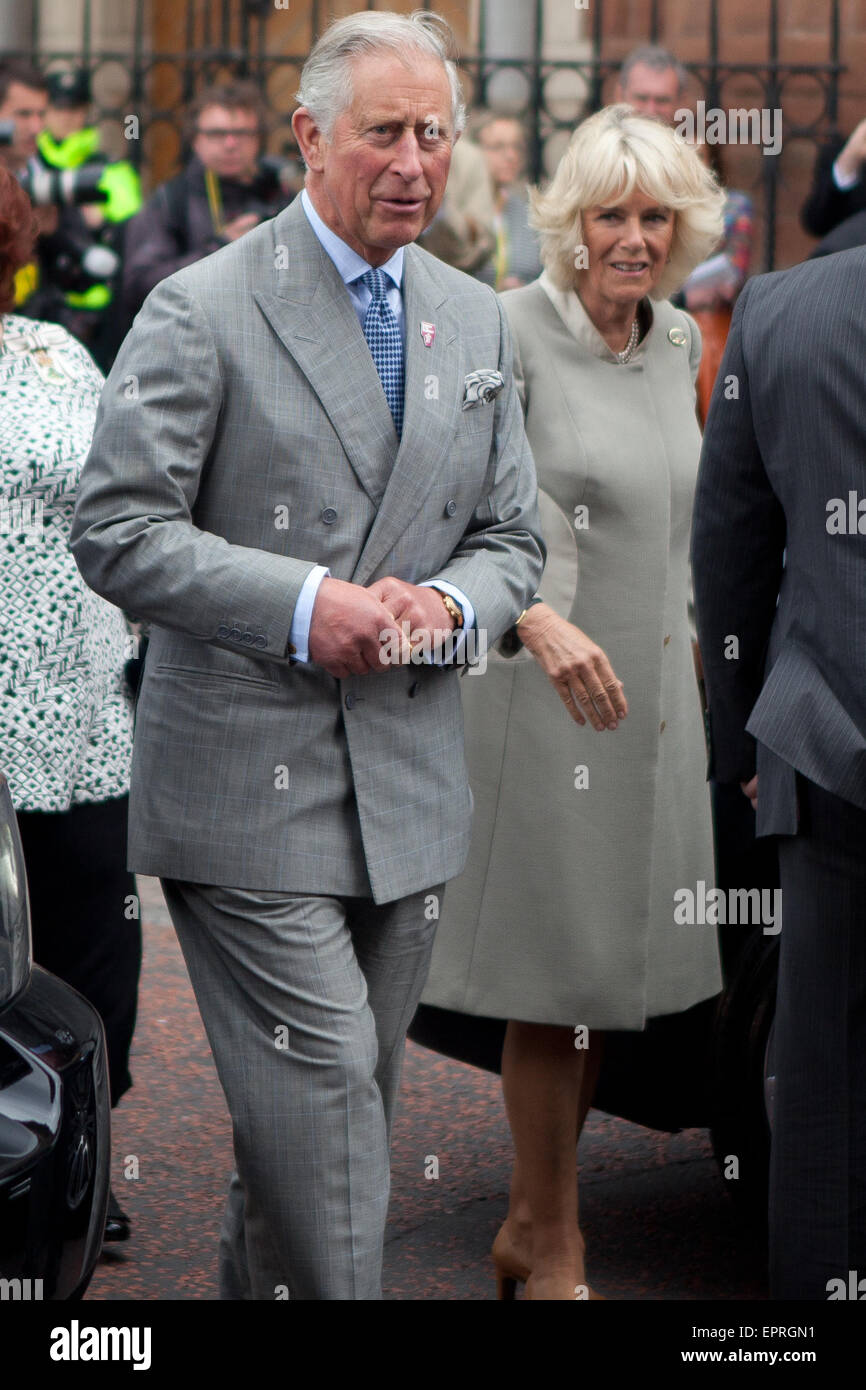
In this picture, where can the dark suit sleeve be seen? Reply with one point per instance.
(827, 205)
(153, 251)
(738, 540)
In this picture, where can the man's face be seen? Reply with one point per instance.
(505, 151)
(652, 92)
(63, 121)
(227, 141)
(379, 182)
(26, 107)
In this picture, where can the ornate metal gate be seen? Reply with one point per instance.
(538, 58)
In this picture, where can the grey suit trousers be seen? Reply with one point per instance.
(306, 1002)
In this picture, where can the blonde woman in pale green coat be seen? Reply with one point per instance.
(563, 922)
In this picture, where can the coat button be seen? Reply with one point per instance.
(667, 639)
(235, 634)
(350, 701)
(413, 690)
(450, 507)
(260, 640)
(247, 638)
(329, 516)
(663, 726)
(222, 630)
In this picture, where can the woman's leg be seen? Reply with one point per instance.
(548, 1085)
(85, 915)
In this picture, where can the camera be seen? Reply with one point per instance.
(76, 264)
(47, 187)
(274, 176)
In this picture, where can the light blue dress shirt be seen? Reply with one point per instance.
(351, 267)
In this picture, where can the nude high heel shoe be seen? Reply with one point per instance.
(509, 1267)
(563, 1292)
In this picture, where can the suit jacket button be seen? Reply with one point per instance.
(663, 726)
(329, 516)
(246, 638)
(450, 507)
(413, 690)
(222, 630)
(235, 634)
(350, 701)
(260, 640)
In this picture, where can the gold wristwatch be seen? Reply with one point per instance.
(454, 609)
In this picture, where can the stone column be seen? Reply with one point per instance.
(509, 32)
(61, 30)
(567, 37)
(16, 27)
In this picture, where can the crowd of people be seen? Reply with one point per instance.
(357, 427)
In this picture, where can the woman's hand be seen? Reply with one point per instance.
(576, 667)
(750, 789)
(853, 153)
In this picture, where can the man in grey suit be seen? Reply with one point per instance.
(308, 441)
(780, 586)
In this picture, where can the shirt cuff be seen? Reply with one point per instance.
(299, 636)
(455, 649)
(844, 181)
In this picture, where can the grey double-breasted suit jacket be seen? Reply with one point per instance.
(243, 437)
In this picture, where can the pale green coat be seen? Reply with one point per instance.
(565, 912)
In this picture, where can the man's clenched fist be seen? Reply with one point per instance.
(348, 625)
(419, 612)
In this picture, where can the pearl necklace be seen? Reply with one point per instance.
(633, 339)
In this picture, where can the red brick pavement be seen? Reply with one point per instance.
(658, 1225)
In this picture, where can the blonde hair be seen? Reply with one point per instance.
(610, 155)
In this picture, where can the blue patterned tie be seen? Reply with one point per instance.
(386, 344)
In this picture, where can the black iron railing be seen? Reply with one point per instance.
(219, 36)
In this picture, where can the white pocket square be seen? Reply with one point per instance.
(482, 387)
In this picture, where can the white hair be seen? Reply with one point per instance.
(610, 155)
(326, 79)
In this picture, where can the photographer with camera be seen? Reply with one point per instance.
(81, 259)
(79, 201)
(226, 189)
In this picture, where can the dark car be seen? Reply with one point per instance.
(708, 1068)
(54, 1108)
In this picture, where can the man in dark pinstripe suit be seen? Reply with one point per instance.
(779, 553)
